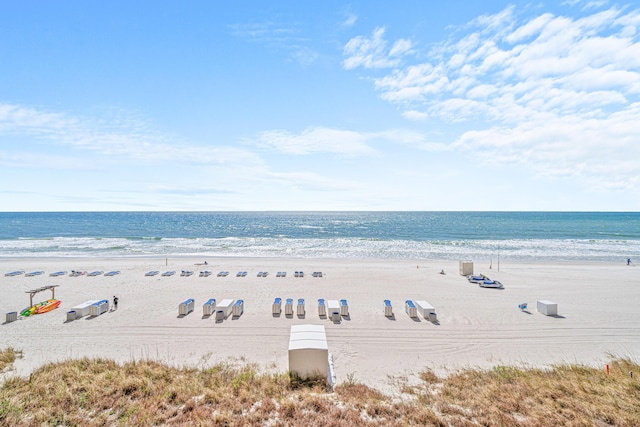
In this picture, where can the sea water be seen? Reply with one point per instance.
(527, 236)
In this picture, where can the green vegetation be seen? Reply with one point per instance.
(90, 392)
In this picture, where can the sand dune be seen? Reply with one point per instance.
(477, 327)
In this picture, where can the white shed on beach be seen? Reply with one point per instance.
(466, 268)
(308, 351)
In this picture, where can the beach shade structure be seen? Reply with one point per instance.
(238, 308)
(300, 308)
(548, 308)
(288, 307)
(186, 307)
(466, 268)
(410, 309)
(98, 308)
(209, 307)
(344, 307)
(308, 352)
(276, 307)
(12, 316)
(225, 306)
(322, 308)
(83, 309)
(426, 310)
(333, 308)
(388, 308)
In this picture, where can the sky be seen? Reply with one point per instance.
(319, 105)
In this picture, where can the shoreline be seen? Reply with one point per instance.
(476, 327)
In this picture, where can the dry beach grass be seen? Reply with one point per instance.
(93, 392)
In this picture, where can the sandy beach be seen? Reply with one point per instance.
(597, 314)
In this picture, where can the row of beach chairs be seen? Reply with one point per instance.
(333, 309)
(220, 310)
(187, 273)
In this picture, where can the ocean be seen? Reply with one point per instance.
(526, 236)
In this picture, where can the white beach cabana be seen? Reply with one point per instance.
(308, 351)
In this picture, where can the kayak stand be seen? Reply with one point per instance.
(44, 288)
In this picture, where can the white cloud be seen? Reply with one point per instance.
(553, 93)
(121, 138)
(316, 140)
(372, 52)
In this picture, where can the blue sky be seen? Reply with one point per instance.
(290, 105)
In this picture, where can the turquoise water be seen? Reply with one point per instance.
(535, 236)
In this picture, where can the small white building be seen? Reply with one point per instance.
(308, 351)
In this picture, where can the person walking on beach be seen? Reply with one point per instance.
(628, 261)
(115, 302)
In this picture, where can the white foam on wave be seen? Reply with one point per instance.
(347, 248)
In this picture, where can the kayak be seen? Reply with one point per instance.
(52, 304)
(30, 310)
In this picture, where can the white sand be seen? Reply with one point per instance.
(597, 303)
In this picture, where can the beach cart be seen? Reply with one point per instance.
(410, 309)
(276, 307)
(209, 307)
(322, 308)
(388, 308)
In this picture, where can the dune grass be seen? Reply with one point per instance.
(91, 392)
(7, 357)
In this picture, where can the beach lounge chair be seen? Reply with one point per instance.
(75, 273)
(300, 310)
(34, 273)
(58, 273)
(14, 273)
(344, 307)
(152, 273)
(276, 307)
(168, 273)
(205, 273)
(388, 308)
(322, 308)
(112, 273)
(94, 273)
(288, 307)
(186, 273)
